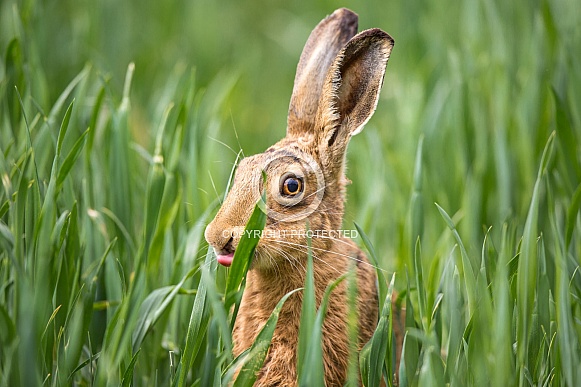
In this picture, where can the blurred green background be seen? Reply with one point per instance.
(472, 93)
(471, 76)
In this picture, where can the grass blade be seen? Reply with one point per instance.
(528, 264)
(70, 160)
(128, 374)
(465, 265)
(381, 280)
(197, 325)
(313, 371)
(259, 349)
(373, 355)
(308, 313)
(152, 308)
(244, 252)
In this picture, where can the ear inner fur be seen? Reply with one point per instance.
(350, 95)
(321, 48)
(362, 71)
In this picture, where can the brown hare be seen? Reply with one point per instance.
(337, 84)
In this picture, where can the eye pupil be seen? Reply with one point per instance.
(292, 186)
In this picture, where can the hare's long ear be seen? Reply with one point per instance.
(328, 37)
(350, 94)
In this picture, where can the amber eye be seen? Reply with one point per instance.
(292, 186)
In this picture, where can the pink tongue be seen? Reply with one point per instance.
(225, 260)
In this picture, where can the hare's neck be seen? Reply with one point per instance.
(268, 287)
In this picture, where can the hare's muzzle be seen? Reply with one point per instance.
(221, 239)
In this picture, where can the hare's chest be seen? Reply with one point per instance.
(255, 309)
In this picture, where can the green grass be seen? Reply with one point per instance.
(119, 127)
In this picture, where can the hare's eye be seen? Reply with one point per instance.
(292, 186)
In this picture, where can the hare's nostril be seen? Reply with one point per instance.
(228, 247)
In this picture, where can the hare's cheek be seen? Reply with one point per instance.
(265, 255)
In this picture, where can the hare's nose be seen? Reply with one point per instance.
(228, 247)
(222, 240)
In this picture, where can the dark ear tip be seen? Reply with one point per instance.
(375, 34)
(346, 17)
(345, 13)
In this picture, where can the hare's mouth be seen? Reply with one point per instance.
(226, 254)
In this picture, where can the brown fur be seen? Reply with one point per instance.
(337, 86)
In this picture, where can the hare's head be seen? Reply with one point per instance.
(337, 85)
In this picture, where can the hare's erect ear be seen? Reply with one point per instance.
(351, 92)
(321, 48)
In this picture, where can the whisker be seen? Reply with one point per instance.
(304, 248)
(336, 253)
(214, 186)
(223, 143)
(289, 257)
(236, 134)
(273, 262)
